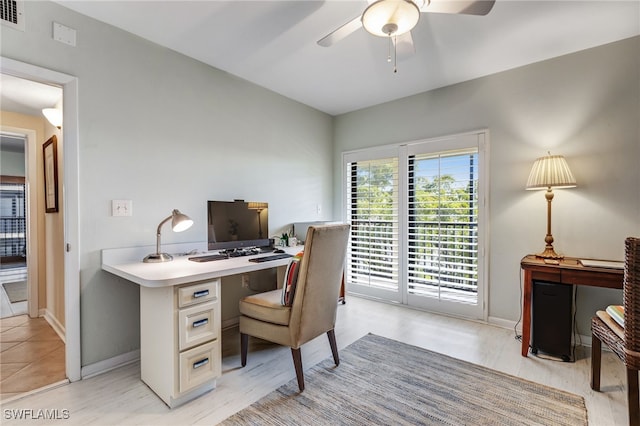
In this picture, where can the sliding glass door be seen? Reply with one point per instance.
(372, 211)
(417, 217)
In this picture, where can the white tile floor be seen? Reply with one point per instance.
(8, 309)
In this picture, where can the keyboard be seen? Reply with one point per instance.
(270, 257)
(208, 258)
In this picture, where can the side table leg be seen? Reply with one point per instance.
(526, 313)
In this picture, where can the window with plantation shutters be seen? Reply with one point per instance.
(12, 220)
(442, 237)
(417, 213)
(372, 196)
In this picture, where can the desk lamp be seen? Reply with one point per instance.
(551, 171)
(179, 222)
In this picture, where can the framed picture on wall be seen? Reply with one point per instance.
(50, 159)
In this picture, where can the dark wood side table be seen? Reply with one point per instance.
(568, 271)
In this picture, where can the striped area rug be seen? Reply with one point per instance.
(385, 382)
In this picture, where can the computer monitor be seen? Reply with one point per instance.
(237, 224)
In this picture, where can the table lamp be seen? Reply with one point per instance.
(551, 171)
(179, 222)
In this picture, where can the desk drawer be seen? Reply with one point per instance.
(197, 293)
(199, 365)
(197, 324)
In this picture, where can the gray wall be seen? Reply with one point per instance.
(168, 132)
(584, 106)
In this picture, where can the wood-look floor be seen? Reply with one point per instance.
(32, 356)
(120, 398)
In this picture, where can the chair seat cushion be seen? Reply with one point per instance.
(266, 307)
(614, 326)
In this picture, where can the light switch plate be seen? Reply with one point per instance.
(121, 208)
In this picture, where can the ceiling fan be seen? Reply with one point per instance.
(396, 18)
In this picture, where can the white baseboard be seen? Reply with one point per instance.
(54, 323)
(503, 323)
(508, 324)
(586, 341)
(231, 322)
(109, 364)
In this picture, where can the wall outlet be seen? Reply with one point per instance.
(121, 208)
(245, 280)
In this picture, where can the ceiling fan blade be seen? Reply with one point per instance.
(466, 7)
(341, 32)
(404, 46)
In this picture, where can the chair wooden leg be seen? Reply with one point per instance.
(297, 363)
(244, 347)
(596, 355)
(632, 397)
(334, 347)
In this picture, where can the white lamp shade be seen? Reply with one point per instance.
(180, 222)
(54, 116)
(551, 171)
(381, 16)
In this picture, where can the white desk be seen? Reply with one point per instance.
(180, 356)
(127, 263)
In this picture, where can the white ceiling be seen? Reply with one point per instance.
(273, 43)
(27, 97)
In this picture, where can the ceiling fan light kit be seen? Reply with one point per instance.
(386, 18)
(393, 18)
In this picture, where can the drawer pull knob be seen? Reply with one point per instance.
(200, 363)
(201, 293)
(201, 322)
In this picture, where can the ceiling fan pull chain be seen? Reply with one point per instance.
(395, 53)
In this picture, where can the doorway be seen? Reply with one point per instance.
(69, 185)
(32, 320)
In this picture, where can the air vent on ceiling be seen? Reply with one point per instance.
(12, 13)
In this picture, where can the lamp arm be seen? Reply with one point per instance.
(158, 234)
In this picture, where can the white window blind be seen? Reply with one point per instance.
(372, 211)
(442, 240)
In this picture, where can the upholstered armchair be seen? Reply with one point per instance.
(313, 305)
(624, 342)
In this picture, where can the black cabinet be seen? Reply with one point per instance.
(552, 319)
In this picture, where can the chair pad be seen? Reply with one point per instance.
(611, 323)
(266, 307)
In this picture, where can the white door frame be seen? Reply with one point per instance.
(69, 85)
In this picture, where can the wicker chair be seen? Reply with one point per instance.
(625, 343)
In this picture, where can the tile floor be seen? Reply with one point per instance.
(32, 355)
